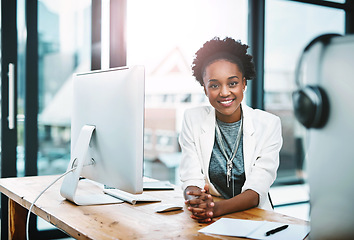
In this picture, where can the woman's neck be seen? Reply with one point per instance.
(235, 117)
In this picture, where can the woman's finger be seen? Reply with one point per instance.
(194, 192)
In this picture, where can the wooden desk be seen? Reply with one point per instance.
(116, 221)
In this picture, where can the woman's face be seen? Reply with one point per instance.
(224, 85)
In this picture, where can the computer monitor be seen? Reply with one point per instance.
(107, 132)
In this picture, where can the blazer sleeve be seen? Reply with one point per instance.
(190, 168)
(266, 159)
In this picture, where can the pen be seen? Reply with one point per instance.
(275, 230)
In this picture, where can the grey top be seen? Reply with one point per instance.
(217, 166)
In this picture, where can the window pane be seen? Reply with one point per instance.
(21, 72)
(0, 77)
(163, 36)
(290, 26)
(64, 39)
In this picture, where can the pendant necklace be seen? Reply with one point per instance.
(233, 154)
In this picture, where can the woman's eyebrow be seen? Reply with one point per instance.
(232, 77)
(229, 78)
(212, 80)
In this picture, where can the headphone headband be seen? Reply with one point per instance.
(325, 39)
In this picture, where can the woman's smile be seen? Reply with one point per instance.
(224, 85)
(226, 102)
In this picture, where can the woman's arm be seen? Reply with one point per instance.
(266, 159)
(203, 207)
(190, 169)
(243, 201)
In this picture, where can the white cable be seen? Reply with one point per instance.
(39, 195)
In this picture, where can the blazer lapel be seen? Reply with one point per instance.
(249, 142)
(206, 139)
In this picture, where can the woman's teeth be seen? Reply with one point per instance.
(226, 102)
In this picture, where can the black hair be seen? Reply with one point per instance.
(228, 49)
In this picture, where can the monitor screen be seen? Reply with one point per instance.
(110, 104)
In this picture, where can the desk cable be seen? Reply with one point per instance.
(39, 195)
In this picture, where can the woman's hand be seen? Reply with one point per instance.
(203, 207)
(200, 203)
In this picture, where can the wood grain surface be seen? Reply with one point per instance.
(112, 221)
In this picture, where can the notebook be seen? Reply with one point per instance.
(256, 229)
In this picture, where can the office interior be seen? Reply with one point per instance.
(50, 40)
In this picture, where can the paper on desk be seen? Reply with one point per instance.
(255, 229)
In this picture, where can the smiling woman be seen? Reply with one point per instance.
(228, 149)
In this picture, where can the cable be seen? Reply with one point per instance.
(39, 195)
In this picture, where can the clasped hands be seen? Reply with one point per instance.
(200, 203)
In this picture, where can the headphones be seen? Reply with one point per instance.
(311, 105)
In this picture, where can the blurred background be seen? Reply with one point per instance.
(50, 40)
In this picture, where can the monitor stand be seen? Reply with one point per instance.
(71, 180)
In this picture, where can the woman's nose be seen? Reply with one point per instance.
(224, 91)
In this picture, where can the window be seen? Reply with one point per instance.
(148, 141)
(166, 141)
(64, 47)
(289, 27)
(163, 36)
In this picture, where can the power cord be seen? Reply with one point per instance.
(39, 195)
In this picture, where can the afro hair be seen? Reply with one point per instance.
(216, 47)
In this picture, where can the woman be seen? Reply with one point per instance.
(229, 150)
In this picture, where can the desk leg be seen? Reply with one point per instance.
(17, 220)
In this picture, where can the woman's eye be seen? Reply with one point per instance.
(213, 86)
(233, 84)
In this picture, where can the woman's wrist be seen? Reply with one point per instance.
(217, 211)
(243, 201)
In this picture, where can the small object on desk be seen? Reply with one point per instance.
(158, 185)
(275, 230)
(130, 198)
(167, 207)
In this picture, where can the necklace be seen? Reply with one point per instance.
(233, 154)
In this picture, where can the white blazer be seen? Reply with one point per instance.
(262, 141)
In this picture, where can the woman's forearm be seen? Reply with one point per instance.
(246, 200)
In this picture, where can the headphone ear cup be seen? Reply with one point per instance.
(311, 106)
